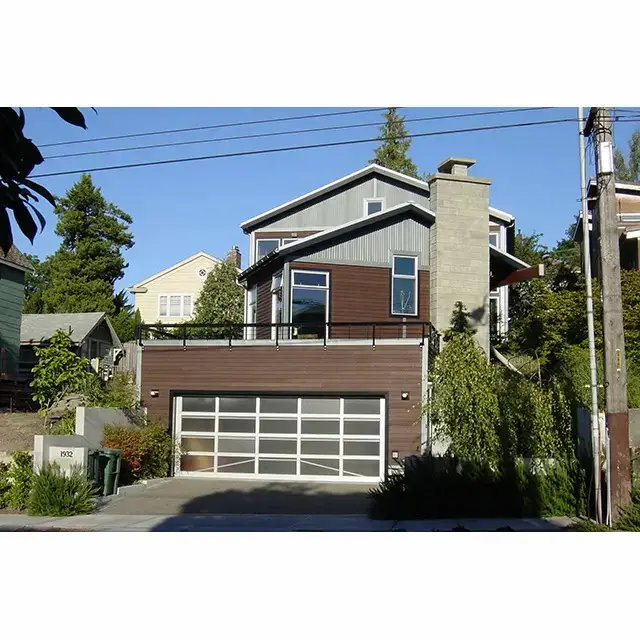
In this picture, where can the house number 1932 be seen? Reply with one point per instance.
(66, 454)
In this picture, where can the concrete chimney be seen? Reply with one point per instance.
(235, 256)
(459, 242)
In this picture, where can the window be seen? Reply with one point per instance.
(202, 273)
(289, 240)
(493, 240)
(175, 305)
(265, 246)
(252, 296)
(309, 303)
(373, 205)
(404, 289)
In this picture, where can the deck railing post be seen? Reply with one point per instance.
(373, 335)
(184, 337)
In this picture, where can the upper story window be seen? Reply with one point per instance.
(494, 240)
(309, 303)
(175, 306)
(373, 205)
(264, 246)
(404, 286)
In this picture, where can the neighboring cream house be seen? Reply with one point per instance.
(169, 296)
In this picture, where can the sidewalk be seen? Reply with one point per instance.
(268, 523)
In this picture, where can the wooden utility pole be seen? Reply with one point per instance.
(615, 372)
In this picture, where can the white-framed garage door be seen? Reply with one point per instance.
(285, 437)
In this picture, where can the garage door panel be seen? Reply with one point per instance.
(315, 438)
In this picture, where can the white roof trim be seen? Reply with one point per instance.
(508, 258)
(200, 254)
(501, 215)
(630, 235)
(372, 168)
(351, 225)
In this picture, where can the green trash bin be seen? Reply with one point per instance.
(111, 470)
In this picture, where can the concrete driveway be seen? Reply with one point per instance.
(175, 496)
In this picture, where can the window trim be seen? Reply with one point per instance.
(182, 297)
(326, 288)
(275, 291)
(497, 235)
(405, 277)
(366, 205)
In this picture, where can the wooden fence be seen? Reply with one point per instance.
(129, 361)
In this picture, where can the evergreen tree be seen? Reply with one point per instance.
(220, 301)
(392, 153)
(89, 260)
(629, 171)
(34, 285)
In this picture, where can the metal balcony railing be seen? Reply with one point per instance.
(278, 332)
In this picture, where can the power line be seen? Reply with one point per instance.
(298, 148)
(283, 133)
(211, 126)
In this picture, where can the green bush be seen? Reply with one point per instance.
(55, 494)
(146, 450)
(117, 393)
(5, 484)
(66, 426)
(20, 475)
(446, 488)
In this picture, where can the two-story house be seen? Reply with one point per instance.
(345, 289)
(170, 295)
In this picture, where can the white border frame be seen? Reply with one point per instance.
(404, 277)
(296, 437)
(366, 213)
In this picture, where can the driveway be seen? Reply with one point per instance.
(176, 496)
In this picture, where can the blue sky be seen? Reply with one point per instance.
(180, 209)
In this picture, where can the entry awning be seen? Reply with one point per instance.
(506, 269)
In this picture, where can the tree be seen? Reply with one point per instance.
(629, 170)
(35, 284)
(221, 300)
(18, 157)
(464, 404)
(89, 261)
(392, 153)
(59, 371)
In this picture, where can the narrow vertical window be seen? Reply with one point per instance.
(163, 306)
(186, 305)
(404, 287)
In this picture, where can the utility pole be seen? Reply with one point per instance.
(596, 437)
(615, 372)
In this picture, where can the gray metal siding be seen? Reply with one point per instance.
(396, 193)
(329, 212)
(376, 248)
(347, 204)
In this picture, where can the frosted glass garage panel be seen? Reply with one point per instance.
(237, 404)
(236, 445)
(321, 405)
(199, 424)
(319, 427)
(368, 468)
(198, 444)
(198, 404)
(278, 446)
(361, 427)
(279, 405)
(320, 467)
(227, 464)
(362, 406)
(278, 425)
(196, 463)
(236, 425)
(277, 467)
(320, 447)
(361, 448)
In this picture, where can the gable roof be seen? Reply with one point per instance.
(15, 258)
(200, 254)
(247, 225)
(416, 210)
(39, 327)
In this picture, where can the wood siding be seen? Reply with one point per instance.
(389, 370)
(11, 301)
(363, 294)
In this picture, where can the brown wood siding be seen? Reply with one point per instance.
(387, 370)
(363, 294)
(263, 309)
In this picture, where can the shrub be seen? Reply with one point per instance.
(146, 450)
(55, 494)
(19, 476)
(117, 393)
(66, 426)
(446, 488)
(5, 484)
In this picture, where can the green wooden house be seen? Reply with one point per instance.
(13, 268)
